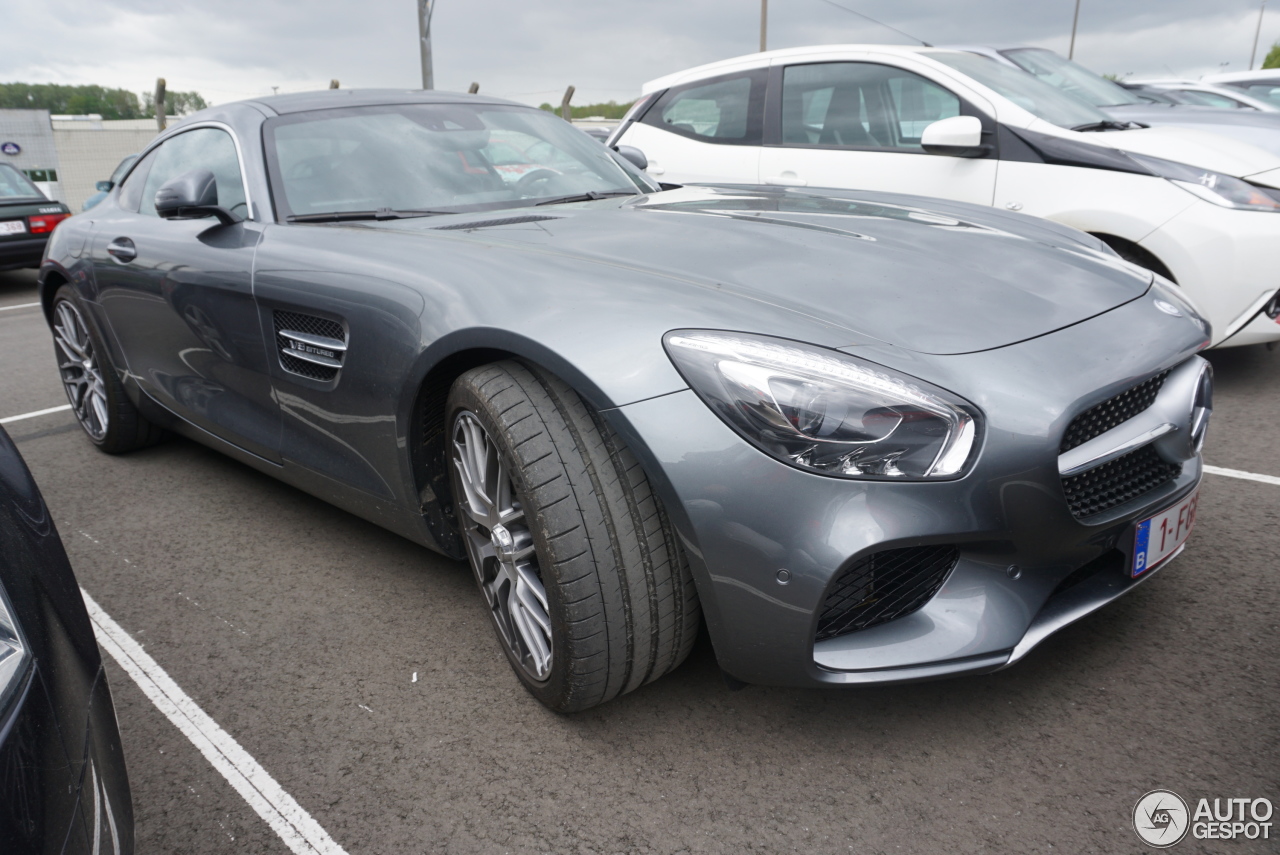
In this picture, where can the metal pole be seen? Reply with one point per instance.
(1257, 33)
(1071, 52)
(425, 7)
(764, 25)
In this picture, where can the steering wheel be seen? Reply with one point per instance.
(529, 179)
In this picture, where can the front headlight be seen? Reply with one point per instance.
(823, 411)
(1213, 187)
(13, 651)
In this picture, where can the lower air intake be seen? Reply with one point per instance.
(884, 587)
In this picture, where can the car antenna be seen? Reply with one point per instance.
(874, 21)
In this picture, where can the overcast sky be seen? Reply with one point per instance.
(529, 51)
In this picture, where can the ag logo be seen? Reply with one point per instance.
(1161, 818)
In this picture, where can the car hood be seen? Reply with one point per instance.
(922, 274)
(1261, 130)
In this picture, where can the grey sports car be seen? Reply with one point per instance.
(869, 438)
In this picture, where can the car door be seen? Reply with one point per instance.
(709, 131)
(857, 125)
(178, 295)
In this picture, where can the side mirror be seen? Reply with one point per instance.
(104, 186)
(633, 155)
(959, 136)
(192, 196)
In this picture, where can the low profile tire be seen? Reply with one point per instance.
(586, 584)
(108, 417)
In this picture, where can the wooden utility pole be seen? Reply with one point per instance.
(160, 93)
(333, 84)
(1071, 51)
(764, 25)
(425, 8)
(473, 88)
(564, 105)
(1253, 56)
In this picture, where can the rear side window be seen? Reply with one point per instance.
(860, 104)
(727, 110)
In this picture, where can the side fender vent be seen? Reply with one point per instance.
(309, 346)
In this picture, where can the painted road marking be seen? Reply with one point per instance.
(6, 421)
(1248, 476)
(296, 828)
(19, 306)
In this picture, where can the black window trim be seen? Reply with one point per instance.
(773, 114)
(756, 107)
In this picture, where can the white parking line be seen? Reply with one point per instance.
(32, 415)
(286, 817)
(19, 306)
(1248, 476)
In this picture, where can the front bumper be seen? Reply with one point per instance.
(743, 516)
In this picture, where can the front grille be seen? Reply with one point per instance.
(884, 587)
(1101, 418)
(313, 326)
(1116, 482)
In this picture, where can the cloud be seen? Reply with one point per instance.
(530, 51)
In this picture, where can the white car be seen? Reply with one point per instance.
(1264, 83)
(1197, 208)
(1201, 94)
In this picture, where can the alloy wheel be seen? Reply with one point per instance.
(78, 365)
(500, 546)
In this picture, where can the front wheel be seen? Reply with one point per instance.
(584, 581)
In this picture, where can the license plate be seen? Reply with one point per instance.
(13, 227)
(1160, 536)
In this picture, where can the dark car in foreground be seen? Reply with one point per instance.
(869, 437)
(27, 219)
(63, 787)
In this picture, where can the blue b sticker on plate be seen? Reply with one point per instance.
(1140, 547)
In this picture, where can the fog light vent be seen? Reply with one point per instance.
(884, 587)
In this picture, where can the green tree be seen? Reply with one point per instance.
(609, 110)
(1273, 57)
(82, 100)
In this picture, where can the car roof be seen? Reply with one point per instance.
(761, 60)
(1242, 76)
(333, 99)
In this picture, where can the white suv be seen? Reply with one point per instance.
(1197, 208)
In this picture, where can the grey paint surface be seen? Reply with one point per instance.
(989, 305)
(280, 615)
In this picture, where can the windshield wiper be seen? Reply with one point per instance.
(589, 196)
(379, 214)
(1107, 125)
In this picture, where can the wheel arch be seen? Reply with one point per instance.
(1133, 251)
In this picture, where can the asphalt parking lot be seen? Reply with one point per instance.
(360, 671)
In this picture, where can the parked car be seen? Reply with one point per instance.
(1198, 94)
(835, 424)
(63, 785)
(1196, 208)
(1263, 83)
(104, 187)
(27, 218)
(1127, 105)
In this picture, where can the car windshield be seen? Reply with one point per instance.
(14, 185)
(1071, 78)
(436, 158)
(1038, 98)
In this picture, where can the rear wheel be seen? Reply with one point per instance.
(584, 581)
(97, 398)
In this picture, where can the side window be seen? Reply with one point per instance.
(202, 148)
(728, 110)
(131, 190)
(860, 104)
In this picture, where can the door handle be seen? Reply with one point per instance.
(122, 250)
(786, 179)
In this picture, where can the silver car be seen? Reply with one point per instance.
(869, 438)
